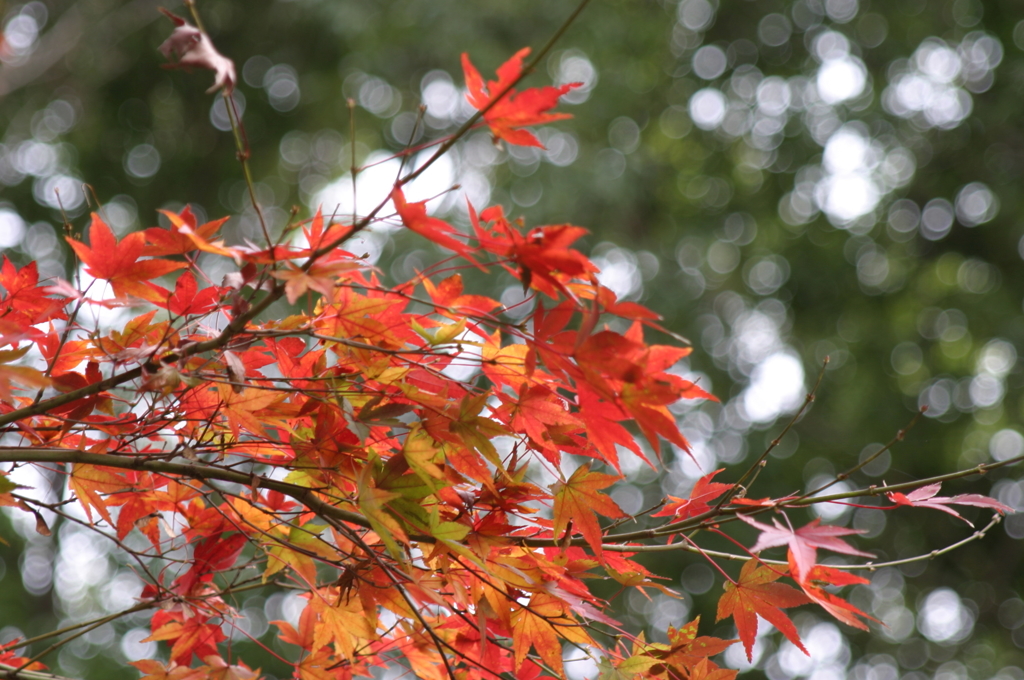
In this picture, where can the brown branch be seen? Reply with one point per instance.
(870, 566)
(309, 497)
(12, 673)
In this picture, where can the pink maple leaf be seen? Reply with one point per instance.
(803, 542)
(926, 497)
(192, 47)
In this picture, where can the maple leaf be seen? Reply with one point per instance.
(213, 553)
(321, 276)
(341, 620)
(415, 217)
(139, 512)
(6, 487)
(578, 500)
(705, 669)
(687, 649)
(157, 670)
(219, 669)
(543, 625)
(119, 263)
(24, 303)
(25, 375)
(192, 47)
(804, 541)
(303, 636)
(545, 260)
(540, 414)
(317, 237)
(703, 491)
(193, 635)
(10, 658)
(821, 576)
(89, 481)
(187, 299)
(296, 550)
(450, 300)
(183, 236)
(757, 593)
(626, 669)
(515, 110)
(926, 497)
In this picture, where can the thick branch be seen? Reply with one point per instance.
(311, 500)
(11, 673)
(304, 495)
(236, 326)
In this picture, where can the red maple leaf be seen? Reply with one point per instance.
(189, 636)
(106, 258)
(925, 498)
(756, 593)
(188, 299)
(539, 414)
(545, 260)
(213, 553)
(703, 491)
(821, 576)
(515, 110)
(8, 657)
(24, 303)
(803, 542)
(415, 217)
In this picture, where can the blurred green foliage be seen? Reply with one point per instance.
(783, 181)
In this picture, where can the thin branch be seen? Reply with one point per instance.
(867, 461)
(870, 566)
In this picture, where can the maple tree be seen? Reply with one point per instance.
(335, 452)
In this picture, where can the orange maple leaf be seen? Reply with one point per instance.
(756, 593)
(21, 374)
(687, 649)
(105, 258)
(578, 500)
(176, 240)
(515, 110)
(90, 481)
(707, 670)
(543, 625)
(321, 276)
(450, 300)
(157, 670)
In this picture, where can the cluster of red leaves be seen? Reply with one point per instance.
(333, 449)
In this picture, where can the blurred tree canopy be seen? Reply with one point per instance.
(782, 180)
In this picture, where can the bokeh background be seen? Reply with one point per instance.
(783, 181)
